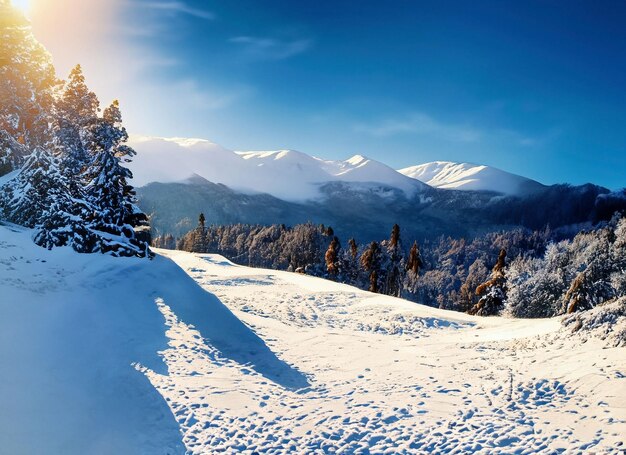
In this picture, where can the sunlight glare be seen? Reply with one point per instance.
(22, 5)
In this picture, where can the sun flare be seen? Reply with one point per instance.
(22, 5)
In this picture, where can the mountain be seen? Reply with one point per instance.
(286, 174)
(465, 176)
(295, 176)
(359, 197)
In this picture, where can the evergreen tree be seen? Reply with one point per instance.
(493, 292)
(351, 263)
(332, 258)
(76, 110)
(413, 266)
(371, 261)
(374, 282)
(116, 215)
(30, 194)
(198, 236)
(394, 264)
(39, 197)
(27, 83)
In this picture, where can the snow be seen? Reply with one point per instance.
(286, 174)
(295, 176)
(109, 355)
(8, 177)
(466, 176)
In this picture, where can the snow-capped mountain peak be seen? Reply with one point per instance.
(296, 176)
(467, 176)
(286, 174)
(358, 160)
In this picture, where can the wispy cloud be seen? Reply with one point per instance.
(421, 124)
(270, 48)
(178, 7)
(204, 98)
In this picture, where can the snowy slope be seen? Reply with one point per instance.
(76, 333)
(277, 362)
(465, 176)
(386, 375)
(285, 174)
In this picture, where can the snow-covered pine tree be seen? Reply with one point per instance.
(76, 109)
(413, 266)
(198, 236)
(618, 254)
(371, 261)
(39, 197)
(394, 263)
(27, 82)
(493, 292)
(350, 261)
(26, 197)
(115, 215)
(333, 266)
(592, 256)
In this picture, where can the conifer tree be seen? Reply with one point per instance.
(371, 260)
(493, 292)
(27, 82)
(394, 268)
(414, 263)
(351, 262)
(354, 250)
(109, 192)
(332, 258)
(39, 197)
(76, 109)
(198, 236)
(413, 266)
(28, 196)
(373, 282)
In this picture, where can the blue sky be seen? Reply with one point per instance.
(533, 87)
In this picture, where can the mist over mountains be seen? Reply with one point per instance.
(360, 197)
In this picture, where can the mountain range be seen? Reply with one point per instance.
(179, 178)
(297, 177)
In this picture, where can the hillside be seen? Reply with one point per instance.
(259, 360)
(367, 212)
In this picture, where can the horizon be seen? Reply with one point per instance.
(531, 89)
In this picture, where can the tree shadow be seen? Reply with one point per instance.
(219, 326)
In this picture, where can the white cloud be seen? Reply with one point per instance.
(201, 97)
(272, 49)
(421, 124)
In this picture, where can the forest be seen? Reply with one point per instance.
(519, 273)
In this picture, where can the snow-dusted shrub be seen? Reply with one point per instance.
(607, 321)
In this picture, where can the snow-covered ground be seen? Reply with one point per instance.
(276, 362)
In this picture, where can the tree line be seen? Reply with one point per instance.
(520, 273)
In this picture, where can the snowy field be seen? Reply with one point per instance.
(96, 351)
